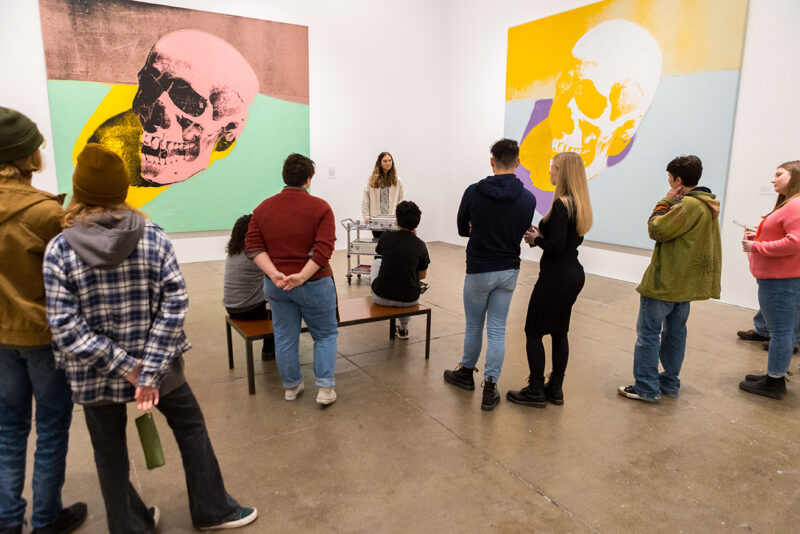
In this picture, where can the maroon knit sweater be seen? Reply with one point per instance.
(292, 227)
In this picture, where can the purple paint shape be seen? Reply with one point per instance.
(613, 160)
(541, 110)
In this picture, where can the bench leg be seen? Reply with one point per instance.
(230, 345)
(251, 379)
(391, 328)
(428, 335)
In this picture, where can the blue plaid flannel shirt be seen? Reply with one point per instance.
(103, 320)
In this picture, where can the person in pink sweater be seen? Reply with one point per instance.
(775, 263)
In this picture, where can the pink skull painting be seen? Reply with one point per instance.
(193, 96)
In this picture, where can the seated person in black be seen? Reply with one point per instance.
(403, 263)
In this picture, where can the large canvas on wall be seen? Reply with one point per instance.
(202, 107)
(628, 84)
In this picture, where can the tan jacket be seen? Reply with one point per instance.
(29, 219)
(371, 203)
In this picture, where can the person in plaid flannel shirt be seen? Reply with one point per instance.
(116, 303)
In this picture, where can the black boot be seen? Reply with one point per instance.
(773, 388)
(531, 395)
(552, 390)
(491, 397)
(461, 377)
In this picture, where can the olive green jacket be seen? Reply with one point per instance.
(687, 259)
(29, 219)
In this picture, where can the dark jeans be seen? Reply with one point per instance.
(209, 503)
(25, 374)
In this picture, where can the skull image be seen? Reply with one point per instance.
(194, 91)
(601, 99)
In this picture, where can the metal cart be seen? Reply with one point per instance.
(365, 246)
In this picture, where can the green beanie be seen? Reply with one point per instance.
(19, 136)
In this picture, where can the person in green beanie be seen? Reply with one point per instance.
(29, 219)
(686, 266)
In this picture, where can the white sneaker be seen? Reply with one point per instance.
(326, 396)
(401, 333)
(292, 393)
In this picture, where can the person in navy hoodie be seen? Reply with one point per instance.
(495, 213)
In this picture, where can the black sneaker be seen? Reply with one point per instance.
(629, 392)
(461, 377)
(774, 388)
(241, 517)
(531, 395)
(491, 397)
(68, 520)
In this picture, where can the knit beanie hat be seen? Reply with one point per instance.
(100, 177)
(19, 136)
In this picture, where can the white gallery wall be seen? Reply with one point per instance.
(426, 81)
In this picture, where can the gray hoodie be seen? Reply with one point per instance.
(106, 239)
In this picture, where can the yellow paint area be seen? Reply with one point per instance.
(694, 36)
(119, 99)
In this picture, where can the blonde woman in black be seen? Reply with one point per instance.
(561, 279)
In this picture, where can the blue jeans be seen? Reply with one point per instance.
(660, 335)
(779, 299)
(760, 325)
(487, 296)
(25, 373)
(380, 301)
(314, 302)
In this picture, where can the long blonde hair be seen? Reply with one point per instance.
(793, 167)
(24, 167)
(380, 178)
(80, 212)
(573, 191)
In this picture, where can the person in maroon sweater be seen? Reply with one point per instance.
(290, 238)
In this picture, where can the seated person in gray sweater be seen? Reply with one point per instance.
(243, 294)
(402, 264)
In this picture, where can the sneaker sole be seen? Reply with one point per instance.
(459, 384)
(234, 524)
(637, 397)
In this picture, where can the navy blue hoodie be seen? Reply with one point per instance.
(500, 210)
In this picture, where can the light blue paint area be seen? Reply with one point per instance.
(691, 114)
(71, 105)
(518, 113)
(214, 198)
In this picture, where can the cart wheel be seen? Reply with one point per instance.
(359, 276)
(349, 279)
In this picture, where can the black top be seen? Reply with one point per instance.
(403, 256)
(500, 210)
(559, 240)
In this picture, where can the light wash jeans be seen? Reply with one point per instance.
(314, 301)
(487, 297)
(380, 301)
(661, 335)
(779, 300)
(27, 374)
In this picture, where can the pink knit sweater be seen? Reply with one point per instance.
(776, 250)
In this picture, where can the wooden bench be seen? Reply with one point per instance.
(353, 311)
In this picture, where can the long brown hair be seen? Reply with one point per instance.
(793, 167)
(380, 178)
(79, 212)
(22, 167)
(573, 191)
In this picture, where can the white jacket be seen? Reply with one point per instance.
(371, 203)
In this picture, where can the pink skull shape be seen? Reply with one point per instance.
(194, 91)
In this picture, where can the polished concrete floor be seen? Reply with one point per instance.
(401, 451)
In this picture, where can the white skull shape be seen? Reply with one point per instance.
(194, 91)
(601, 99)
